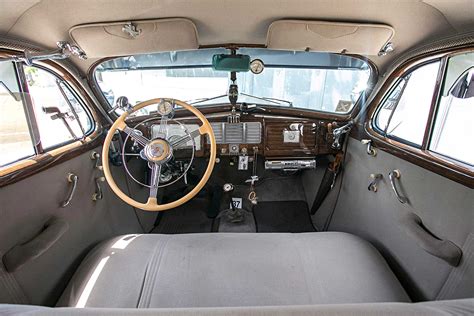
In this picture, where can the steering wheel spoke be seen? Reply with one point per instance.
(154, 179)
(163, 127)
(205, 129)
(152, 202)
(185, 138)
(136, 136)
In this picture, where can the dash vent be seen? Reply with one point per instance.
(238, 133)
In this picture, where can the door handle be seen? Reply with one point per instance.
(395, 174)
(72, 179)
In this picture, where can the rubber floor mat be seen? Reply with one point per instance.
(286, 216)
(188, 218)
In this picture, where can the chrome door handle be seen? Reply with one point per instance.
(395, 174)
(71, 178)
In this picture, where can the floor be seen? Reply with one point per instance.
(281, 207)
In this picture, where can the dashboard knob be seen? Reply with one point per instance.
(228, 187)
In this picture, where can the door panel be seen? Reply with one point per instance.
(445, 207)
(25, 207)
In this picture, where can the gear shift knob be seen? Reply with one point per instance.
(228, 190)
(228, 187)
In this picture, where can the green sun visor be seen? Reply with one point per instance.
(225, 62)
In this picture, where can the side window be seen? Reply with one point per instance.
(454, 122)
(15, 139)
(41, 114)
(59, 115)
(405, 111)
(404, 115)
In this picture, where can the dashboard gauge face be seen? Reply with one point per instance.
(165, 108)
(257, 66)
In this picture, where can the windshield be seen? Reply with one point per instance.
(315, 81)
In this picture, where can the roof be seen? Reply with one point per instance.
(45, 22)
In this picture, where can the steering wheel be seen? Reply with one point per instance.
(156, 152)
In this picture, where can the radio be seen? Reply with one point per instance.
(290, 164)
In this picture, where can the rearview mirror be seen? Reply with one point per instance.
(231, 63)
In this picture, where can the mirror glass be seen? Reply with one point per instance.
(225, 62)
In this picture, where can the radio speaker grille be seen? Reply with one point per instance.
(238, 133)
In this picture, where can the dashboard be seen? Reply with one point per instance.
(284, 142)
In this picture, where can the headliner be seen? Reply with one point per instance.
(45, 22)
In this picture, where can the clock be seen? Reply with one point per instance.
(257, 66)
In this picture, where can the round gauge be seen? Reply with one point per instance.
(257, 66)
(165, 108)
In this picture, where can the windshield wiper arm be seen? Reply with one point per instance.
(268, 99)
(192, 102)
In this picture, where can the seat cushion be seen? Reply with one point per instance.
(232, 269)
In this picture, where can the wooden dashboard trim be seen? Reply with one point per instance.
(315, 141)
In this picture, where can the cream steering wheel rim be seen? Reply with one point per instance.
(152, 203)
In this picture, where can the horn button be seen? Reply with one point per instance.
(158, 151)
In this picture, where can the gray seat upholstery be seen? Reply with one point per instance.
(434, 308)
(233, 269)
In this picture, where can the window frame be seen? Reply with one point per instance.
(436, 89)
(78, 98)
(31, 117)
(456, 170)
(32, 129)
(26, 166)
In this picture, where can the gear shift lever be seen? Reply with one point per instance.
(228, 190)
(235, 218)
(234, 215)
